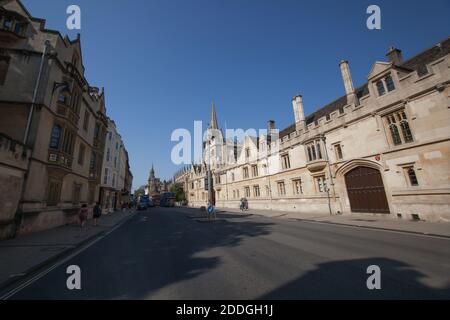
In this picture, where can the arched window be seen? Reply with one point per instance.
(309, 154)
(55, 137)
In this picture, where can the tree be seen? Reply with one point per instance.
(178, 191)
(139, 192)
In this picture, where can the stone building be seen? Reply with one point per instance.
(52, 126)
(155, 185)
(114, 169)
(128, 179)
(381, 148)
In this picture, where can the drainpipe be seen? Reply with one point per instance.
(19, 213)
(36, 88)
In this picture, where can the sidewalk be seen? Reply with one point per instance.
(27, 253)
(385, 222)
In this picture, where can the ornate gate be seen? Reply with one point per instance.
(366, 190)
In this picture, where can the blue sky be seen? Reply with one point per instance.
(163, 62)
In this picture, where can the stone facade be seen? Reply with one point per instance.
(55, 119)
(382, 148)
(155, 186)
(112, 179)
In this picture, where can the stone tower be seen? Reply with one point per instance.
(152, 182)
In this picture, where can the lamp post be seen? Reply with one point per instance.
(324, 139)
(209, 173)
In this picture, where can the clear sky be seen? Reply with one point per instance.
(163, 62)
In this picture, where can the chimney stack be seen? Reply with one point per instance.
(348, 83)
(299, 114)
(270, 126)
(395, 55)
(346, 76)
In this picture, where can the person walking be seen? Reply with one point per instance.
(97, 213)
(83, 215)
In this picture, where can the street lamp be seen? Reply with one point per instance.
(324, 140)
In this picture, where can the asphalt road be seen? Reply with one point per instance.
(165, 253)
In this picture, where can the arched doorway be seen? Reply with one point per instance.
(365, 190)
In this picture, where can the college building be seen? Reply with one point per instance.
(53, 127)
(382, 148)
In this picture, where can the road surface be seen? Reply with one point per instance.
(166, 253)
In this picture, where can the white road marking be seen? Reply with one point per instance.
(59, 263)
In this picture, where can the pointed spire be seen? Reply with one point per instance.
(213, 122)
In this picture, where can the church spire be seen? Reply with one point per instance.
(213, 122)
(152, 172)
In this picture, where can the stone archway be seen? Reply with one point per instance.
(365, 190)
(361, 188)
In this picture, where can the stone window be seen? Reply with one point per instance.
(285, 161)
(20, 28)
(69, 141)
(108, 154)
(8, 24)
(255, 170)
(232, 177)
(385, 85)
(297, 186)
(247, 153)
(256, 191)
(399, 128)
(390, 86)
(314, 150)
(245, 172)
(64, 97)
(267, 191)
(412, 177)
(338, 151)
(281, 188)
(247, 192)
(321, 184)
(55, 137)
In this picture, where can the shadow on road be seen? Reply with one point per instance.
(347, 280)
(145, 256)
